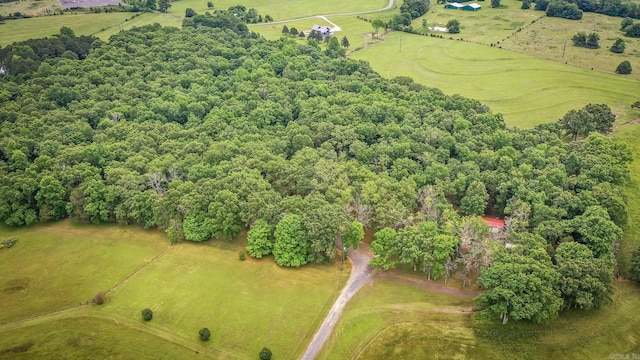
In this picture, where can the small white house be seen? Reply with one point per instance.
(324, 30)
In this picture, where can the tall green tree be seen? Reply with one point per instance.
(519, 287)
(291, 248)
(384, 248)
(164, 5)
(353, 235)
(259, 239)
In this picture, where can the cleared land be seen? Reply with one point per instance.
(388, 320)
(31, 8)
(546, 38)
(247, 305)
(56, 266)
(282, 10)
(81, 24)
(527, 90)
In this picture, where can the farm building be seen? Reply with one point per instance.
(324, 30)
(471, 7)
(454, 6)
(496, 225)
(468, 7)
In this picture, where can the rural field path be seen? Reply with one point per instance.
(360, 275)
(324, 17)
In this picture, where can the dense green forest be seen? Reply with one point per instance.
(204, 132)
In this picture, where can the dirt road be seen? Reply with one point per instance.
(360, 275)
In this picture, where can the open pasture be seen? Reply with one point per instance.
(388, 320)
(546, 39)
(246, 304)
(29, 7)
(527, 90)
(282, 10)
(486, 26)
(38, 27)
(139, 21)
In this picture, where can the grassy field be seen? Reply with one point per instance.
(81, 24)
(56, 266)
(247, 305)
(282, 10)
(142, 20)
(357, 31)
(388, 320)
(31, 8)
(546, 37)
(527, 90)
(487, 26)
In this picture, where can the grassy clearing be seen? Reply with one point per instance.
(487, 26)
(282, 10)
(81, 24)
(527, 90)
(546, 38)
(357, 31)
(247, 305)
(56, 266)
(85, 337)
(142, 20)
(388, 320)
(32, 8)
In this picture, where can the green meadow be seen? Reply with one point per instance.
(282, 10)
(527, 90)
(54, 269)
(388, 320)
(81, 24)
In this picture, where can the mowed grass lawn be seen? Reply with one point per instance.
(246, 304)
(392, 321)
(139, 21)
(59, 265)
(527, 90)
(29, 7)
(282, 10)
(39, 27)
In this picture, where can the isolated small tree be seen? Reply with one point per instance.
(301, 34)
(209, 4)
(99, 298)
(424, 24)
(265, 354)
(268, 18)
(624, 68)
(377, 25)
(626, 22)
(345, 42)
(592, 41)
(164, 5)
(285, 30)
(293, 31)
(241, 255)
(147, 314)
(633, 31)
(580, 39)
(495, 3)
(618, 46)
(453, 26)
(189, 13)
(204, 334)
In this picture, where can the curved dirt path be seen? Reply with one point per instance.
(324, 16)
(360, 275)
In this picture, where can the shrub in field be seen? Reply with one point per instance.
(204, 334)
(265, 354)
(99, 298)
(147, 314)
(624, 68)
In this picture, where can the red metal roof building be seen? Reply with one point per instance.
(494, 223)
